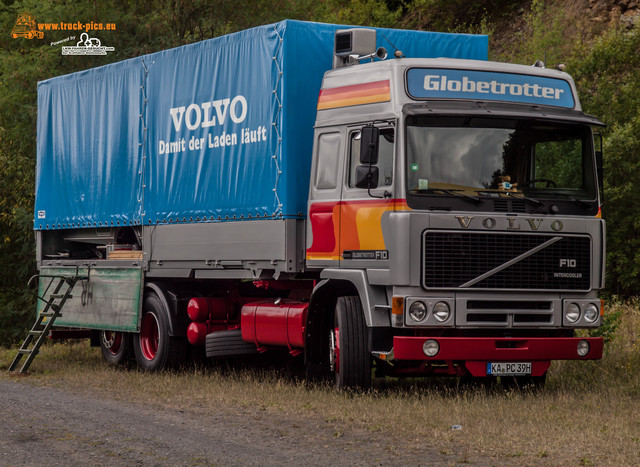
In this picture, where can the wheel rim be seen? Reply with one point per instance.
(112, 341)
(149, 336)
(334, 349)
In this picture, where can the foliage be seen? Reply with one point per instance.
(610, 324)
(456, 15)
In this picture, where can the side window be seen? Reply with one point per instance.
(328, 155)
(385, 156)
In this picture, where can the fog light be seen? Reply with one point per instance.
(573, 313)
(591, 313)
(431, 348)
(441, 311)
(418, 311)
(583, 348)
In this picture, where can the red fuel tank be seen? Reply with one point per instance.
(202, 309)
(275, 323)
(197, 333)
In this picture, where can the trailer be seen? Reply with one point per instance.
(363, 198)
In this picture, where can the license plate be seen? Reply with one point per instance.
(509, 368)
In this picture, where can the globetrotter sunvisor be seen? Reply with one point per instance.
(429, 83)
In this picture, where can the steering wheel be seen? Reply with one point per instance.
(550, 183)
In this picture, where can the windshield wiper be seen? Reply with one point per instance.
(513, 195)
(533, 201)
(429, 191)
(586, 204)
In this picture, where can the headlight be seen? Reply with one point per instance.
(418, 311)
(583, 348)
(591, 313)
(573, 313)
(441, 312)
(431, 348)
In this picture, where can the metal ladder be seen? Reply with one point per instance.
(52, 309)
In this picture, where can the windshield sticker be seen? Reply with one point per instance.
(426, 83)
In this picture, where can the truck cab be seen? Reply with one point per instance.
(459, 201)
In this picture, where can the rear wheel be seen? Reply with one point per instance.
(154, 348)
(115, 346)
(349, 357)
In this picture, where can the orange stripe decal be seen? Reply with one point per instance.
(356, 94)
(337, 226)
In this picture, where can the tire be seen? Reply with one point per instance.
(154, 348)
(115, 346)
(222, 344)
(349, 356)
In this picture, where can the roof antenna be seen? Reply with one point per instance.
(398, 53)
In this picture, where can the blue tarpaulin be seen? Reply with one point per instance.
(221, 129)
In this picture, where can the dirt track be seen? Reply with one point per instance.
(44, 425)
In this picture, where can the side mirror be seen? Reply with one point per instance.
(369, 145)
(367, 177)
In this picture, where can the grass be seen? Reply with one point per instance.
(588, 414)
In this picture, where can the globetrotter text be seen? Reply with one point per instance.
(442, 83)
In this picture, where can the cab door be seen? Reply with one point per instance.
(362, 210)
(325, 190)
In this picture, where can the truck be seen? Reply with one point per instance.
(375, 202)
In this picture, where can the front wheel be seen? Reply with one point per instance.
(349, 357)
(115, 346)
(154, 348)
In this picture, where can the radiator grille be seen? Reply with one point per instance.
(455, 259)
(509, 205)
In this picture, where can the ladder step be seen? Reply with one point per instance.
(50, 311)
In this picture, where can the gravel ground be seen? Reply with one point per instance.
(43, 425)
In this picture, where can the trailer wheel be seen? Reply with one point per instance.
(115, 346)
(154, 348)
(349, 357)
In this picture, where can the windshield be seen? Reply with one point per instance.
(497, 157)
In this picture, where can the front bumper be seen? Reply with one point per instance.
(476, 352)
